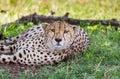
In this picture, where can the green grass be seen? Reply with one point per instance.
(101, 61)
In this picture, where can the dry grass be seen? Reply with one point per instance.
(82, 9)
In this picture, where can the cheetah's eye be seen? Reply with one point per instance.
(66, 31)
(53, 30)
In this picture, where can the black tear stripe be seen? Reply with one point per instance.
(53, 36)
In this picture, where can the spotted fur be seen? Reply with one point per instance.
(45, 44)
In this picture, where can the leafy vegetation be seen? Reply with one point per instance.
(100, 61)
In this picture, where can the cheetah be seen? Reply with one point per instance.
(45, 44)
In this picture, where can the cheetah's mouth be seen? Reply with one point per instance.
(58, 45)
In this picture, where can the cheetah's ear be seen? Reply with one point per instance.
(44, 26)
(75, 28)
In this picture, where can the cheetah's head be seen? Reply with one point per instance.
(59, 35)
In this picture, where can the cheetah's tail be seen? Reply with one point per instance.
(7, 58)
(8, 41)
(7, 53)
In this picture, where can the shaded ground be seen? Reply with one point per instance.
(15, 68)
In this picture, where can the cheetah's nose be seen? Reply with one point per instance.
(58, 40)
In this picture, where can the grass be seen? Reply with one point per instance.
(101, 61)
(81, 9)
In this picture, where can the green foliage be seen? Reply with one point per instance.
(15, 29)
